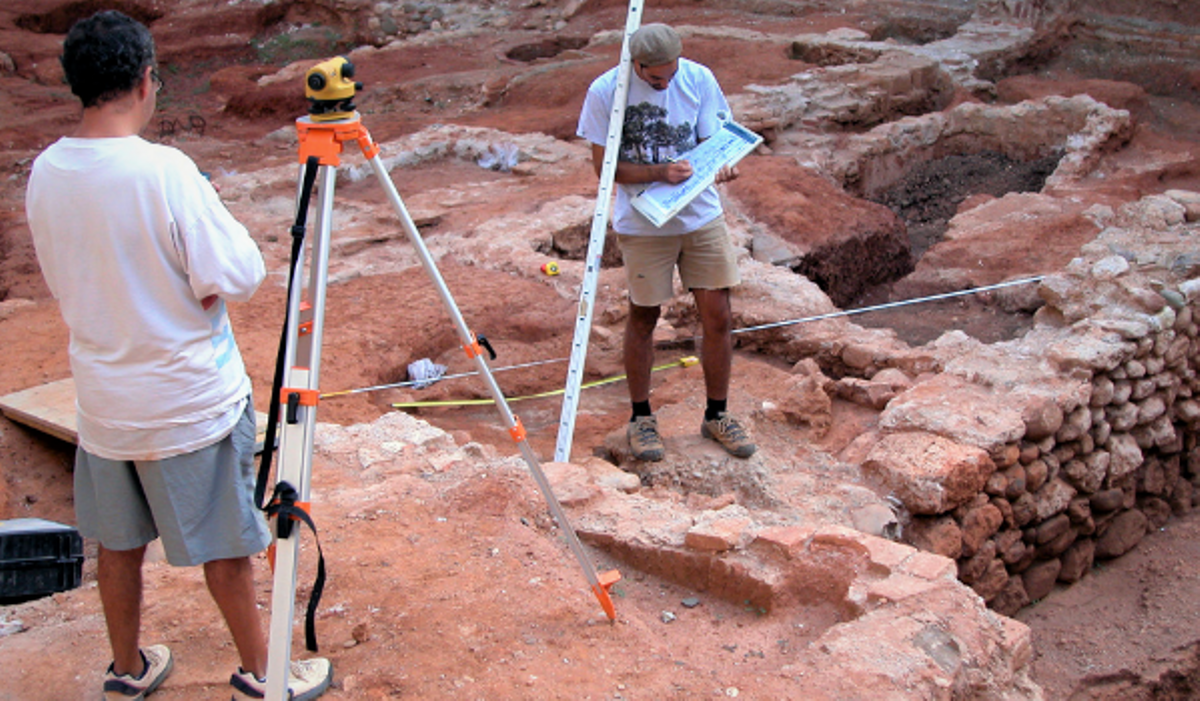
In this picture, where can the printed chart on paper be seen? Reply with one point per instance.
(661, 201)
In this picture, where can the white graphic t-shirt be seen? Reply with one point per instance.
(659, 125)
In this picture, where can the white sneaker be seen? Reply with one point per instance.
(308, 680)
(126, 687)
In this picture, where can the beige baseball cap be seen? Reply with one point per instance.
(655, 45)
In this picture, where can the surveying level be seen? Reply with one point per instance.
(322, 138)
(330, 89)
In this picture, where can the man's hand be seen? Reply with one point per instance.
(673, 172)
(726, 174)
(677, 171)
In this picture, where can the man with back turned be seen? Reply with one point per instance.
(142, 256)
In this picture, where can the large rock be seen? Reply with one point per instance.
(928, 473)
(958, 410)
(1040, 578)
(995, 241)
(941, 535)
(1114, 93)
(1123, 533)
(1126, 455)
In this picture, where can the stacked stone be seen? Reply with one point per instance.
(1111, 471)
(1104, 396)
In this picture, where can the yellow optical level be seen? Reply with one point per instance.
(330, 89)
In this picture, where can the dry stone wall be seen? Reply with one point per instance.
(1030, 460)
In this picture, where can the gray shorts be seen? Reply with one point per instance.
(201, 503)
(705, 258)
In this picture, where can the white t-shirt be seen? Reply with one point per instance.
(659, 124)
(130, 238)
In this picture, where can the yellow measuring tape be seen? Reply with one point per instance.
(686, 361)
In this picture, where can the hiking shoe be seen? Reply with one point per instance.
(644, 441)
(729, 432)
(308, 680)
(126, 687)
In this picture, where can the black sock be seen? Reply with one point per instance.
(714, 409)
(641, 409)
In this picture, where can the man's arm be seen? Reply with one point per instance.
(222, 260)
(674, 172)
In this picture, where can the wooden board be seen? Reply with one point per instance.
(47, 408)
(50, 408)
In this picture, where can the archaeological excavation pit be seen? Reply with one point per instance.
(926, 475)
(549, 48)
(1024, 447)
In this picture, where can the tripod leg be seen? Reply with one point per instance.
(302, 360)
(599, 585)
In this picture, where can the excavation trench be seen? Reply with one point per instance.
(928, 196)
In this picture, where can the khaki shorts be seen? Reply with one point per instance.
(705, 258)
(201, 503)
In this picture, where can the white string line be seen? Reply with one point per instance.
(445, 377)
(892, 305)
(774, 325)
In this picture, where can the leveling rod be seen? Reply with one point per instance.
(591, 271)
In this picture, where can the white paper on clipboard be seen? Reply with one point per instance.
(661, 201)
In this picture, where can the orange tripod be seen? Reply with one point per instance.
(321, 145)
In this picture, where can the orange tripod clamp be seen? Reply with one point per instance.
(326, 140)
(292, 399)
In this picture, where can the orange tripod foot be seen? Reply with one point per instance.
(607, 579)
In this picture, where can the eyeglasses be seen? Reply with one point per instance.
(158, 84)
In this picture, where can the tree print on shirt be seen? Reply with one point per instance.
(647, 137)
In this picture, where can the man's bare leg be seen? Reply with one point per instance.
(119, 578)
(639, 350)
(231, 584)
(716, 350)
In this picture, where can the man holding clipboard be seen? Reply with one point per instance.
(673, 105)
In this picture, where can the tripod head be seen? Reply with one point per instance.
(330, 88)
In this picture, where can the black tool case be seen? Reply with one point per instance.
(38, 557)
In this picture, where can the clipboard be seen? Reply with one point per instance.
(660, 202)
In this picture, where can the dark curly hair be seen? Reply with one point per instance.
(105, 56)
